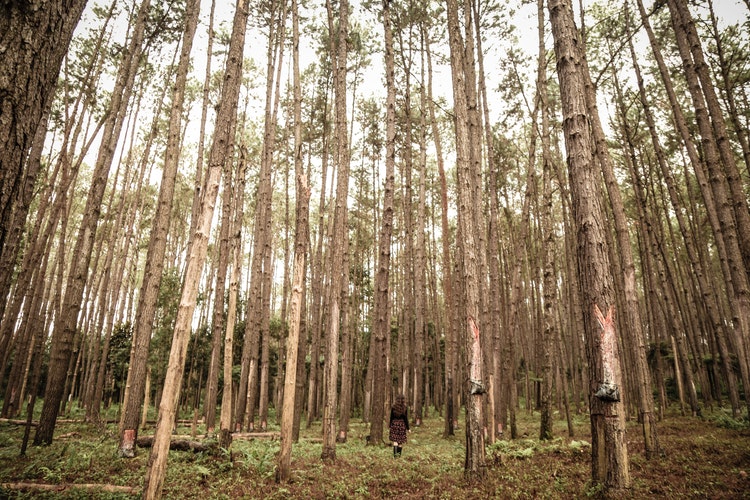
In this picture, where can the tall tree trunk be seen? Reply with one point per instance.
(279, 41)
(549, 287)
(35, 37)
(731, 208)
(609, 449)
(450, 387)
(199, 182)
(217, 323)
(474, 463)
(625, 252)
(289, 407)
(155, 255)
(708, 298)
(259, 294)
(339, 274)
(684, 25)
(698, 167)
(220, 153)
(420, 275)
(382, 310)
(65, 329)
(225, 418)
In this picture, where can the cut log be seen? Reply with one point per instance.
(179, 444)
(108, 488)
(256, 435)
(14, 421)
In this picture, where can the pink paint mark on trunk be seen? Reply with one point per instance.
(476, 359)
(608, 389)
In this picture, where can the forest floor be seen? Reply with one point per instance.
(707, 457)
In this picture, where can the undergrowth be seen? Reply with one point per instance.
(705, 457)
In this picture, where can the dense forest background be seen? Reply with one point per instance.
(479, 205)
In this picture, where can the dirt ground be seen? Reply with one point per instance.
(707, 458)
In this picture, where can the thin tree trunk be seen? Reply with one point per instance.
(732, 211)
(217, 322)
(549, 335)
(220, 153)
(340, 231)
(225, 417)
(382, 310)
(65, 329)
(155, 255)
(301, 236)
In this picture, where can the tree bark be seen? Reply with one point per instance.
(289, 407)
(474, 463)
(731, 208)
(627, 275)
(65, 330)
(35, 37)
(220, 153)
(382, 310)
(217, 323)
(609, 449)
(549, 287)
(225, 417)
(155, 255)
(340, 236)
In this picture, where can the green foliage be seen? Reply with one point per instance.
(258, 455)
(723, 418)
(579, 445)
(167, 305)
(431, 466)
(119, 355)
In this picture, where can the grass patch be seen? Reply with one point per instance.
(703, 458)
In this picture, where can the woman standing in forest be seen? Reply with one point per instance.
(399, 424)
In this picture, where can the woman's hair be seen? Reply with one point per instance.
(399, 406)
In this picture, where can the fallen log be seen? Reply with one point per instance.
(178, 444)
(256, 435)
(15, 421)
(68, 435)
(108, 488)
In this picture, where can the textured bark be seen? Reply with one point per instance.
(492, 304)
(609, 449)
(420, 275)
(474, 463)
(23, 289)
(225, 422)
(345, 397)
(155, 255)
(549, 291)
(256, 324)
(34, 37)
(731, 207)
(339, 274)
(301, 235)
(450, 395)
(699, 168)
(684, 23)
(708, 297)
(217, 323)
(220, 153)
(65, 330)
(382, 311)
(634, 322)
